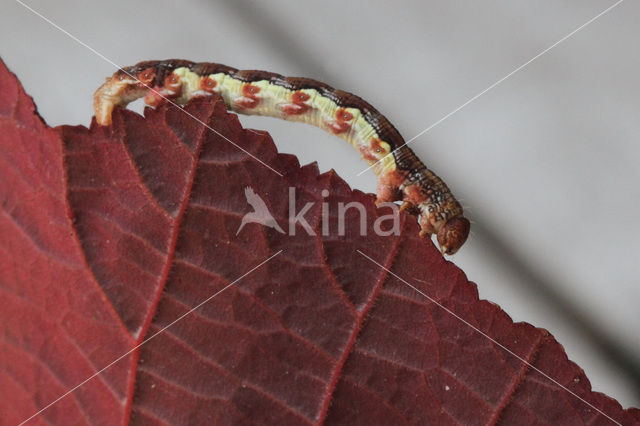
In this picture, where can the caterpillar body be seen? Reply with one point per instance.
(401, 175)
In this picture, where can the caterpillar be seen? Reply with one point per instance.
(401, 174)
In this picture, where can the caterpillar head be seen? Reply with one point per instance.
(453, 234)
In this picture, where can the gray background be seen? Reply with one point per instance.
(546, 162)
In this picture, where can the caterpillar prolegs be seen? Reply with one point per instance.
(401, 175)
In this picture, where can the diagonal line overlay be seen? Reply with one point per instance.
(449, 311)
(162, 330)
(496, 83)
(77, 40)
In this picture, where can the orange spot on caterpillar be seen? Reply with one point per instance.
(172, 80)
(172, 83)
(341, 123)
(297, 105)
(343, 116)
(376, 145)
(208, 84)
(294, 109)
(171, 88)
(369, 152)
(146, 76)
(299, 97)
(249, 100)
(366, 154)
(250, 90)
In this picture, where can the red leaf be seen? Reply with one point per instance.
(110, 234)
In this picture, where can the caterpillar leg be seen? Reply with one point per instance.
(406, 205)
(424, 234)
(388, 187)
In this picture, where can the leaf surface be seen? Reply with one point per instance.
(109, 235)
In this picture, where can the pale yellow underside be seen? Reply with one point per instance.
(272, 97)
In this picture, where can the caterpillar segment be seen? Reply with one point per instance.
(401, 175)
